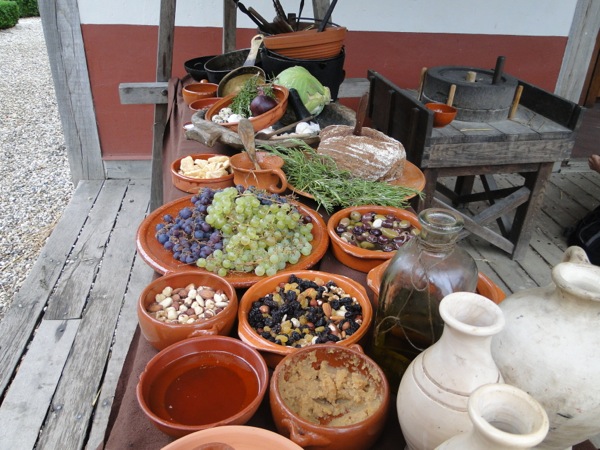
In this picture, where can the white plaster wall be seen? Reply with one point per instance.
(509, 17)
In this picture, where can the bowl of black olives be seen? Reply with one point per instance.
(362, 237)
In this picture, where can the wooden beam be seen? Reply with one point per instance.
(154, 93)
(62, 32)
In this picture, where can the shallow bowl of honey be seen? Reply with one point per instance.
(201, 383)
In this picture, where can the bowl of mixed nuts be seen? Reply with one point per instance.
(296, 309)
(192, 173)
(362, 237)
(186, 304)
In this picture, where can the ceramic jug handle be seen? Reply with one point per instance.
(304, 438)
(278, 190)
(575, 254)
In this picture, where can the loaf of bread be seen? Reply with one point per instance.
(371, 156)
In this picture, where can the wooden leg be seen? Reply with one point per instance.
(524, 221)
(431, 177)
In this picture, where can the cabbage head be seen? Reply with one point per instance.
(312, 93)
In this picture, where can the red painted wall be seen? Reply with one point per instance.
(127, 53)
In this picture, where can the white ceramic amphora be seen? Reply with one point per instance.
(435, 389)
(550, 348)
(504, 417)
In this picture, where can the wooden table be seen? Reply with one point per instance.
(541, 134)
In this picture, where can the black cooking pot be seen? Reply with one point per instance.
(219, 66)
(330, 72)
(195, 67)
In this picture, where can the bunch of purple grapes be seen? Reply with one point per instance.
(187, 235)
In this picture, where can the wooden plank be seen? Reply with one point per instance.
(128, 169)
(21, 318)
(62, 33)
(555, 108)
(28, 398)
(141, 276)
(73, 403)
(579, 195)
(229, 26)
(71, 292)
(496, 153)
(153, 93)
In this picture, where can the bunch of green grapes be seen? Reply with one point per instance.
(258, 236)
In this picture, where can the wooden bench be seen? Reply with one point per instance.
(542, 134)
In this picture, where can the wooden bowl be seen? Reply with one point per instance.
(328, 370)
(194, 185)
(162, 334)
(442, 114)
(259, 122)
(195, 91)
(274, 353)
(202, 383)
(485, 286)
(162, 260)
(356, 257)
(308, 44)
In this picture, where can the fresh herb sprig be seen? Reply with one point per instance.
(250, 89)
(331, 187)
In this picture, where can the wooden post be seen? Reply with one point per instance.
(229, 25)
(164, 63)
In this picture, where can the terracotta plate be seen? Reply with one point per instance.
(162, 260)
(412, 177)
(233, 436)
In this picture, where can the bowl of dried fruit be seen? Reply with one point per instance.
(329, 397)
(202, 383)
(295, 309)
(362, 237)
(192, 173)
(186, 304)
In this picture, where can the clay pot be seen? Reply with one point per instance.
(549, 348)
(259, 122)
(504, 418)
(203, 103)
(270, 178)
(356, 257)
(295, 379)
(202, 383)
(435, 389)
(194, 185)
(274, 353)
(233, 437)
(442, 114)
(195, 91)
(308, 44)
(161, 334)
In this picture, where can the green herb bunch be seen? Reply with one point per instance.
(251, 88)
(331, 187)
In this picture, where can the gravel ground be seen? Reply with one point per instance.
(35, 184)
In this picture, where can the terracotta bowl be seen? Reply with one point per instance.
(238, 437)
(485, 286)
(202, 383)
(259, 122)
(308, 44)
(274, 353)
(203, 103)
(195, 91)
(356, 257)
(270, 178)
(162, 334)
(294, 384)
(162, 260)
(195, 185)
(442, 114)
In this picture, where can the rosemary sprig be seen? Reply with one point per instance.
(332, 187)
(251, 88)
